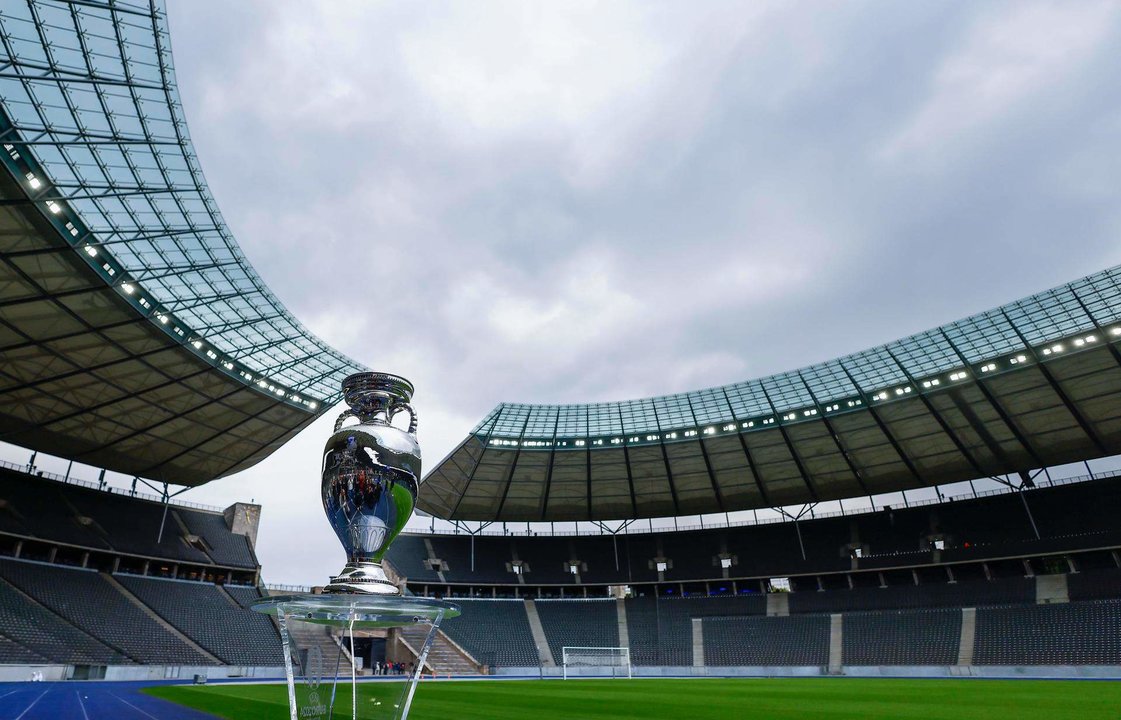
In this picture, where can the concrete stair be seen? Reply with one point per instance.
(306, 635)
(445, 657)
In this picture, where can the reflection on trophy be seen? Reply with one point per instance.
(371, 473)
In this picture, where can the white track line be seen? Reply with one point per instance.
(82, 704)
(28, 709)
(126, 702)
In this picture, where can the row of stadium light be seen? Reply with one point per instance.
(132, 289)
(892, 393)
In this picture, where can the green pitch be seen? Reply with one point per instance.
(832, 698)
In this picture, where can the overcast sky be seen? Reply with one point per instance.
(561, 202)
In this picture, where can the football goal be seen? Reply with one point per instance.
(596, 662)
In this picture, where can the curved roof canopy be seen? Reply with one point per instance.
(1028, 385)
(135, 334)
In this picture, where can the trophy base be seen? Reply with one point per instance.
(317, 634)
(362, 578)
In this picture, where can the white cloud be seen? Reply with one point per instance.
(1014, 56)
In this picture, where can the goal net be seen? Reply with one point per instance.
(596, 662)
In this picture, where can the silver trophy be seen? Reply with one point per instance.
(371, 474)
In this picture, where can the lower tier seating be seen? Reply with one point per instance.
(214, 620)
(89, 602)
(763, 641)
(901, 637)
(1077, 633)
(578, 623)
(30, 628)
(495, 632)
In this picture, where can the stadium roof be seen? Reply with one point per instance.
(135, 334)
(1032, 384)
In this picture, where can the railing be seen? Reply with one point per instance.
(632, 529)
(30, 470)
(288, 588)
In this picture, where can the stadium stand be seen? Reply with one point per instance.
(971, 530)
(203, 612)
(495, 632)
(902, 637)
(578, 623)
(766, 641)
(29, 627)
(88, 601)
(929, 595)
(35, 508)
(1094, 584)
(1078, 633)
(660, 630)
(83, 581)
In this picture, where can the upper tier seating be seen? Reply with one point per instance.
(982, 592)
(1094, 584)
(34, 507)
(1069, 517)
(223, 546)
(204, 613)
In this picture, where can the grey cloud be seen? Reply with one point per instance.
(568, 203)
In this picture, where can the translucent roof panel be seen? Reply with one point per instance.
(89, 95)
(1084, 305)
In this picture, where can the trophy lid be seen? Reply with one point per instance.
(366, 392)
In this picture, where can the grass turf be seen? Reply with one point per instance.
(701, 699)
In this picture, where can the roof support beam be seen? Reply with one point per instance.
(708, 463)
(549, 468)
(665, 459)
(747, 453)
(1079, 418)
(942, 423)
(867, 401)
(789, 445)
(997, 407)
(856, 473)
(513, 467)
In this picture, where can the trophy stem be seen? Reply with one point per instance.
(362, 578)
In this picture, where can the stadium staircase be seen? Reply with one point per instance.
(159, 620)
(308, 635)
(445, 657)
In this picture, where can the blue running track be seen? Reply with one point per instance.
(88, 700)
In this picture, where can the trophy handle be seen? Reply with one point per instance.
(342, 418)
(412, 415)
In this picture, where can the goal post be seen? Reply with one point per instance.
(596, 661)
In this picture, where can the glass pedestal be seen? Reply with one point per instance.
(318, 632)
